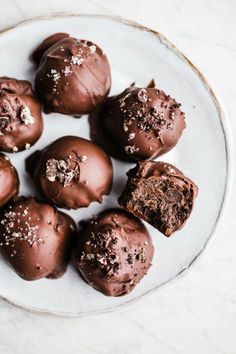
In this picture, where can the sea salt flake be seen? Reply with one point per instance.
(131, 136)
(142, 95)
(130, 149)
(26, 117)
(83, 158)
(67, 70)
(76, 61)
(15, 149)
(93, 48)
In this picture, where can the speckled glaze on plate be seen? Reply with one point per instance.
(136, 54)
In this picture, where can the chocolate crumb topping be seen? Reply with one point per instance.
(72, 172)
(20, 115)
(4, 121)
(138, 124)
(114, 252)
(101, 255)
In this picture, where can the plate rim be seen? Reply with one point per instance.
(225, 126)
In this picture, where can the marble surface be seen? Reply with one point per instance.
(197, 313)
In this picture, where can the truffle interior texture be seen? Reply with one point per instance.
(160, 202)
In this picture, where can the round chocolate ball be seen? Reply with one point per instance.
(72, 172)
(73, 76)
(9, 181)
(138, 124)
(21, 123)
(35, 239)
(114, 252)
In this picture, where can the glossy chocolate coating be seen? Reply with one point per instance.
(138, 124)
(160, 194)
(9, 181)
(114, 252)
(73, 76)
(72, 172)
(21, 123)
(35, 239)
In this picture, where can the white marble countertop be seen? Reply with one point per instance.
(195, 314)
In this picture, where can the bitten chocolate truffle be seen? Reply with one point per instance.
(21, 122)
(114, 252)
(72, 172)
(9, 181)
(160, 194)
(35, 239)
(73, 76)
(138, 124)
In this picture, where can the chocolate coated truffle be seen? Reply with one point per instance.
(114, 252)
(160, 194)
(138, 124)
(72, 172)
(35, 239)
(9, 181)
(21, 122)
(73, 75)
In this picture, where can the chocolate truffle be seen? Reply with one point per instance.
(73, 76)
(160, 194)
(72, 172)
(35, 239)
(21, 122)
(138, 124)
(9, 181)
(114, 252)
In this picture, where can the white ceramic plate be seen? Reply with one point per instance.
(135, 54)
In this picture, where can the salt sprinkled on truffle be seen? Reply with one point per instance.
(130, 149)
(55, 75)
(142, 95)
(27, 233)
(131, 136)
(67, 70)
(76, 61)
(26, 116)
(92, 49)
(61, 170)
(15, 149)
(83, 158)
